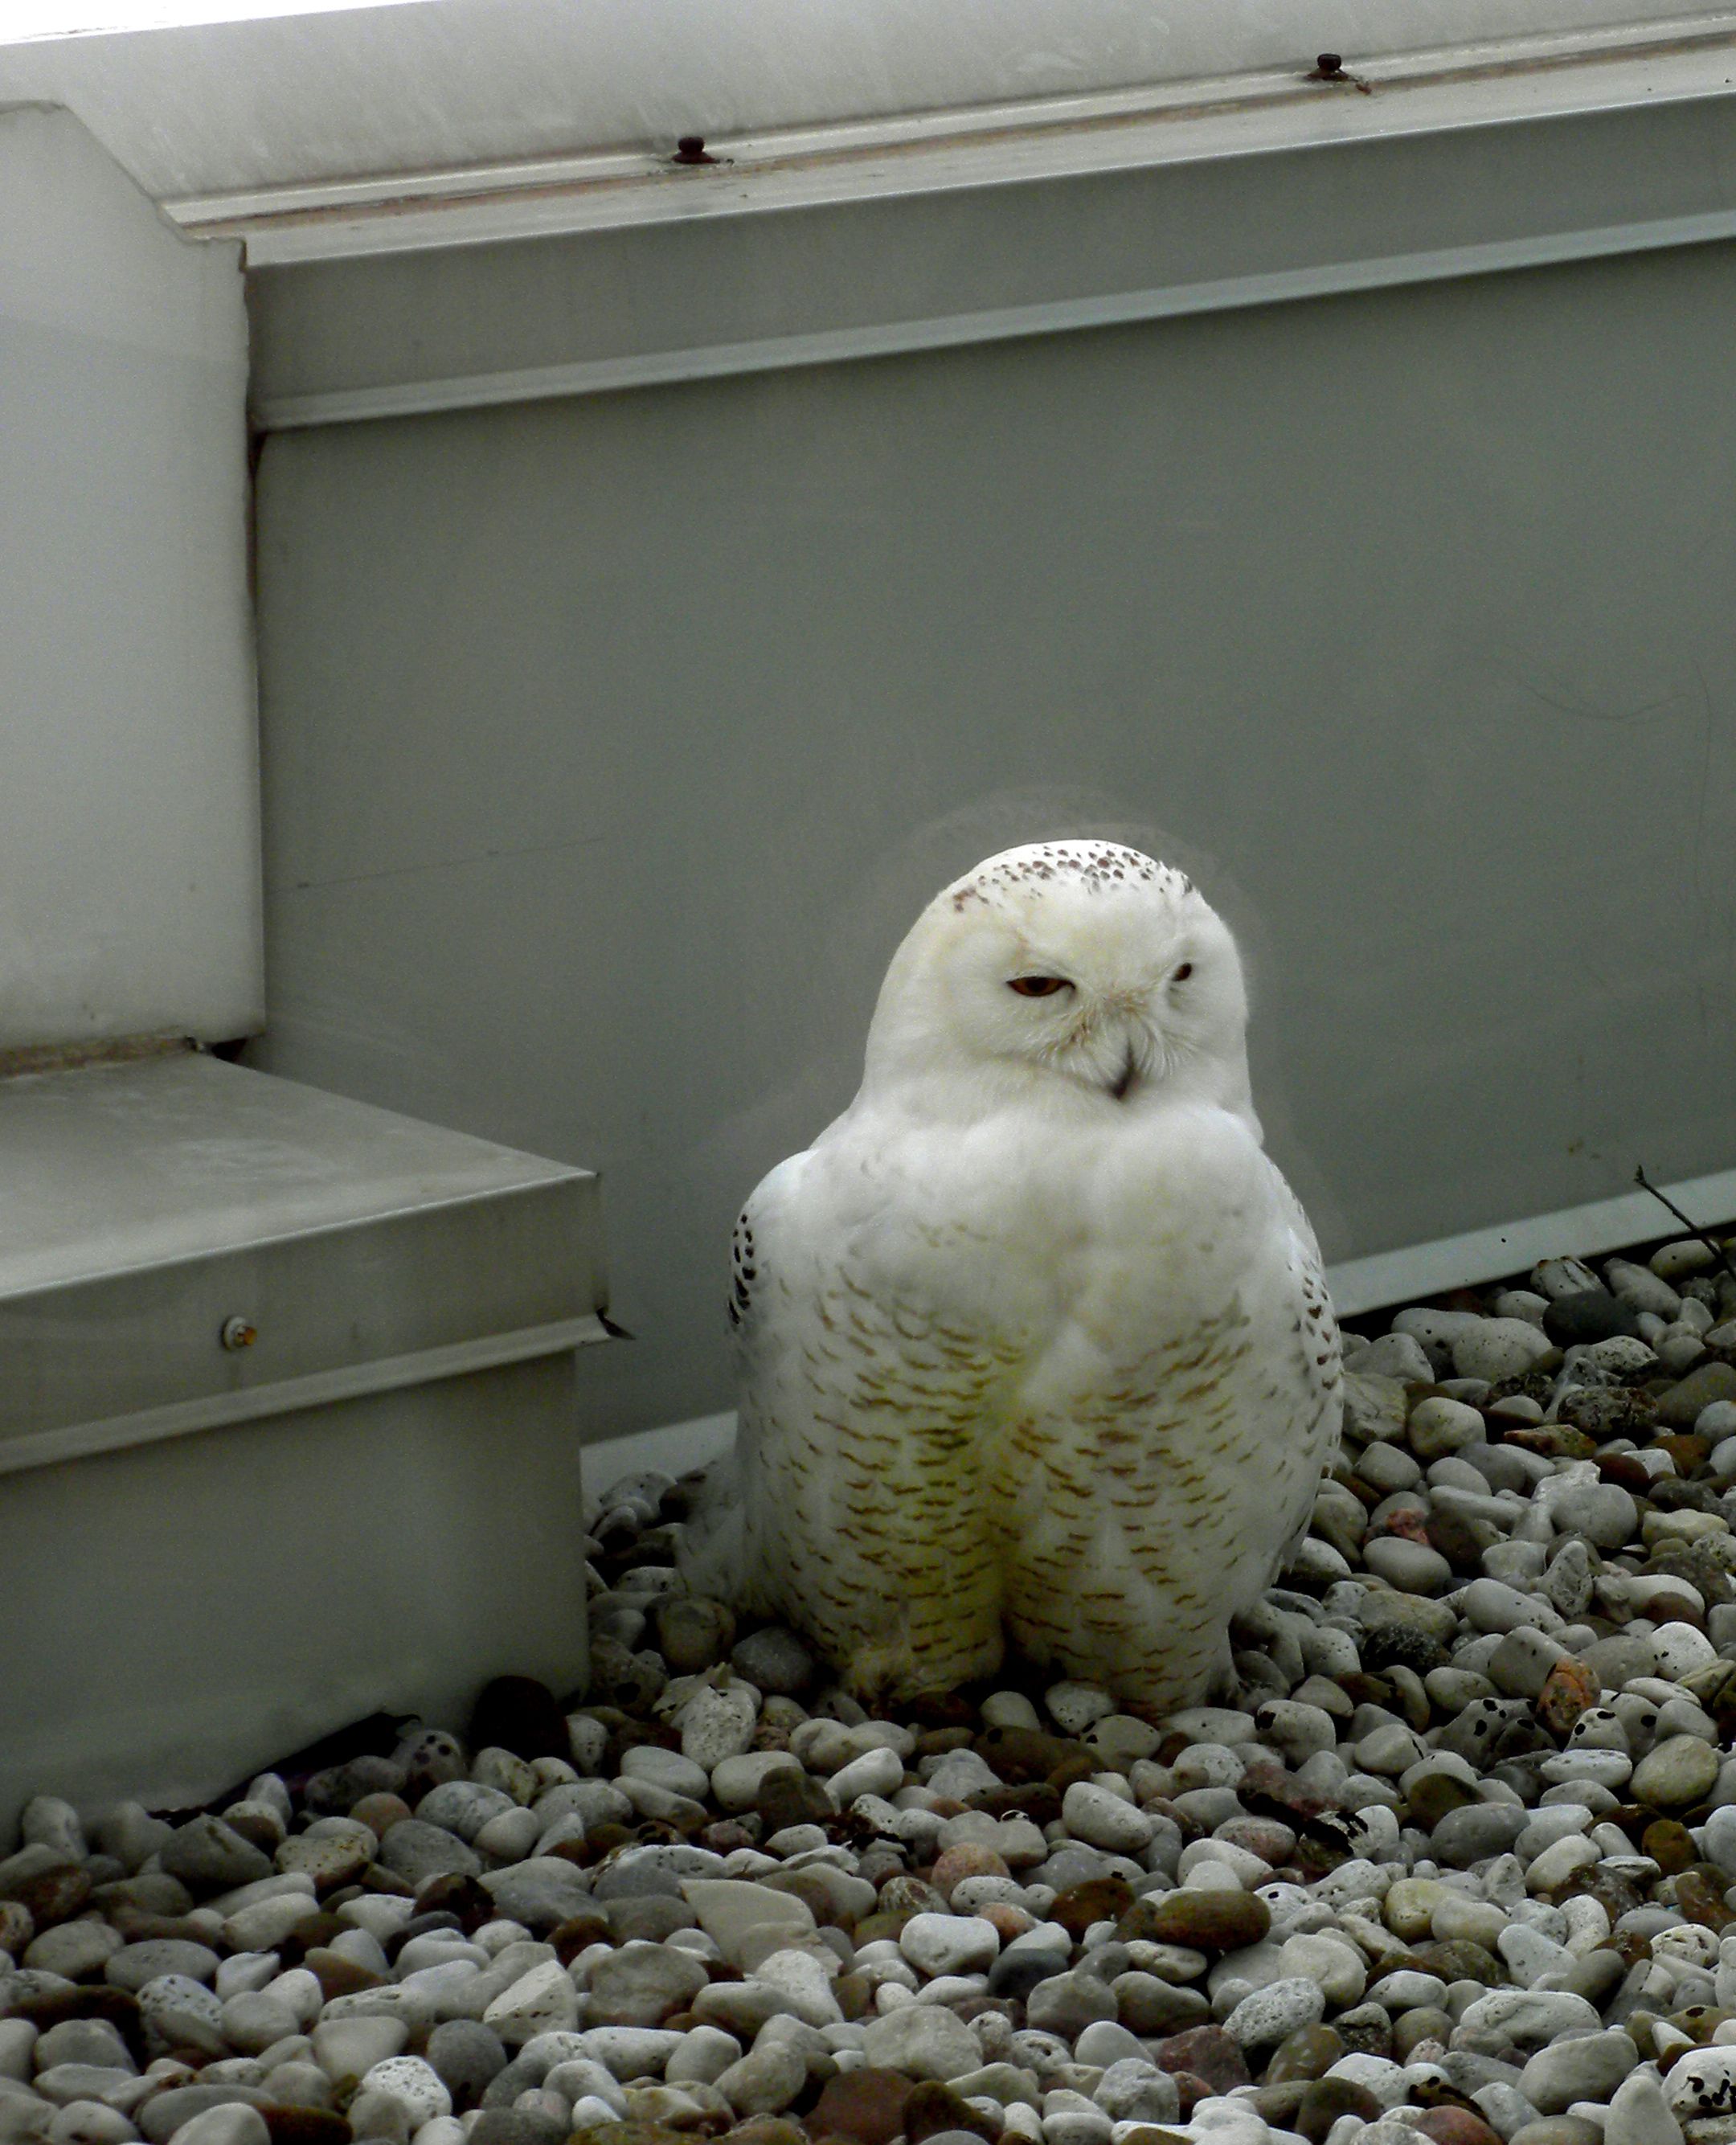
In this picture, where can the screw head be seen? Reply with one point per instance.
(1330, 62)
(237, 1334)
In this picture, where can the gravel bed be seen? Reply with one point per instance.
(1459, 1865)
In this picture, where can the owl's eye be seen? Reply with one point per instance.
(1037, 987)
(1181, 974)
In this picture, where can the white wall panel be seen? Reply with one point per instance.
(129, 871)
(610, 743)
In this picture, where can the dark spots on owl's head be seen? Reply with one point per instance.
(1095, 867)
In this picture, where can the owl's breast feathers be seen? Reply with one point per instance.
(966, 1275)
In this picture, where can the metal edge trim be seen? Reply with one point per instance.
(79, 1441)
(348, 1225)
(825, 346)
(1399, 1277)
(606, 187)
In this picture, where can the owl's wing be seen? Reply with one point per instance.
(1157, 1489)
(854, 1505)
(1318, 1343)
(1317, 1325)
(719, 1553)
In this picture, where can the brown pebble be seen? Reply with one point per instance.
(570, 1937)
(1454, 2126)
(905, 1894)
(1667, 1840)
(941, 1742)
(1022, 1756)
(338, 1976)
(1309, 2052)
(1557, 2130)
(1568, 1690)
(727, 1835)
(120, 2007)
(377, 1878)
(1007, 1920)
(1325, 2100)
(1366, 2030)
(867, 2105)
(1412, 2027)
(1205, 2052)
(463, 1896)
(1699, 2022)
(941, 1709)
(854, 1995)
(788, 1799)
(933, 2106)
(305, 2126)
(1204, 1921)
(380, 1812)
(1362, 1689)
(756, 2130)
(1701, 1898)
(885, 1922)
(1265, 1836)
(1099, 1899)
(653, 1919)
(1457, 1958)
(1433, 1794)
(1624, 1471)
(644, 2133)
(1038, 1802)
(968, 1859)
(53, 1895)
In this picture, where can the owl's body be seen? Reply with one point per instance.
(1033, 1339)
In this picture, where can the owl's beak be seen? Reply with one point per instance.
(1122, 1084)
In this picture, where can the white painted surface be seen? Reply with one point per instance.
(1400, 618)
(228, 1604)
(1003, 145)
(129, 871)
(23, 19)
(227, 106)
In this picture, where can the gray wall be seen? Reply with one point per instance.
(610, 743)
(129, 806)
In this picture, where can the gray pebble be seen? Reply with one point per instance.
(776, 1661)
(1588, 2069)
(208, 1856)
(416, 1850)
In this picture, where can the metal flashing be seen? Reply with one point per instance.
(430, 329)
(193, 1245)
(1392, 1279)
(1491, 82)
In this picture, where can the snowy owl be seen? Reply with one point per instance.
(1033, 1341)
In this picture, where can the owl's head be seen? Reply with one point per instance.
(1080, 962)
